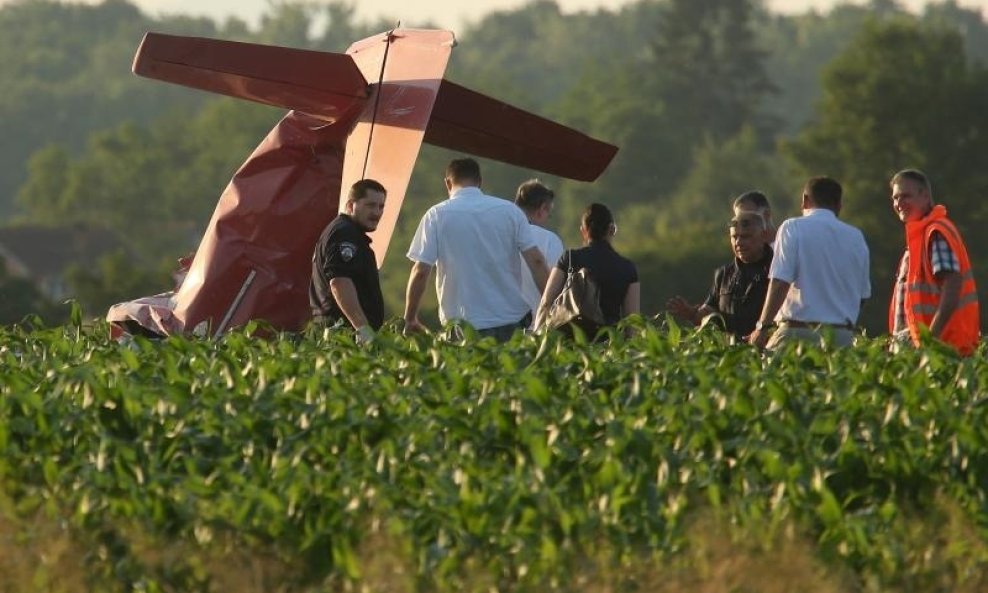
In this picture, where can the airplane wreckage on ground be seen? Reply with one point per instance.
(362, 114)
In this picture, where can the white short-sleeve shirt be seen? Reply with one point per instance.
(826, 262)
(474, 241)
(551, 247)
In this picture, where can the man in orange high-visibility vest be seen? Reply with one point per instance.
(934, 286)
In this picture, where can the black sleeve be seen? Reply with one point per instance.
(341, 258)
(713, 298)
(564, 260)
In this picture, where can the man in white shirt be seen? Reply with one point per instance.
(819, 275)
(536, 201)
(473, 240)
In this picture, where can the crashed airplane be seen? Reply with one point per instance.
(362, 114)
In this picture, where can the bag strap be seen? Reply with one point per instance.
(568, 283)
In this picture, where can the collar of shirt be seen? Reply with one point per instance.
(601, 244)
(467, 192)
(347, 219)
(819, 212)
(763, 262)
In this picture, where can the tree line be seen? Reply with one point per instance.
(705, 100)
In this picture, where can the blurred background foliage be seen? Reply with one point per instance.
(704, 99)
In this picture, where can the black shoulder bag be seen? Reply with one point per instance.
(578, 304)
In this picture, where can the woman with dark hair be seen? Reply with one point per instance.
(615, 276)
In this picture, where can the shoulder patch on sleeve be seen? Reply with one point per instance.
(347, 251)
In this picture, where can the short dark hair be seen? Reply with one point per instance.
(359, 190)
(460, 170)
(532, 195)
(912, 175)
(755, 198)
(597, 219)
(825, 192)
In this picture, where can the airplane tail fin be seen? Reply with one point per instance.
(406, 68)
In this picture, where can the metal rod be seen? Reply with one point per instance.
(236, 303)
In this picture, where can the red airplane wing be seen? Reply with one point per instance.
(320, 84)
(467, 121)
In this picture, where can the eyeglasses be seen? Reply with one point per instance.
(742, 223)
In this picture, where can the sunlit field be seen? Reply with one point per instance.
(667, 461)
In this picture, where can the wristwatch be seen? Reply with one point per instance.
(762, 325)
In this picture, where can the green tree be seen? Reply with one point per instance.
(66, 72)
(153, 186)
(969, 22)
(341, 28)
(721, 171)
(20, 298)
(287, 23)
(699, 79)
(115, 277)
(709, 69)
(800, 46)
(613, 106)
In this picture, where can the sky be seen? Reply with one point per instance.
(449, 14)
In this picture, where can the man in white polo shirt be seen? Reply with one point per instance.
(819, 275)
(473, 240)
(536, 200)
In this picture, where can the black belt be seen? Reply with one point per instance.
(815, 324)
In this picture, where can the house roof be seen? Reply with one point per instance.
(47, 251)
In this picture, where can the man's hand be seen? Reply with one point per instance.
(950, 294)
(414, 326)
(758, 338)
(365, 335)
(413, 296)
(344, 292)
(681, 308)
(777, 292)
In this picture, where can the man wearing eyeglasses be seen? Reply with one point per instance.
(756, 201)
(738, 291)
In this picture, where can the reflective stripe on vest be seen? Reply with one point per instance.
(935, 289)
(922, 295)
(930, 310)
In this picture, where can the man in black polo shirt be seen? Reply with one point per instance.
(739, 287)
(345, 287)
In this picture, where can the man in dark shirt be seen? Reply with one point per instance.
(345, 285)
(739, 288)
